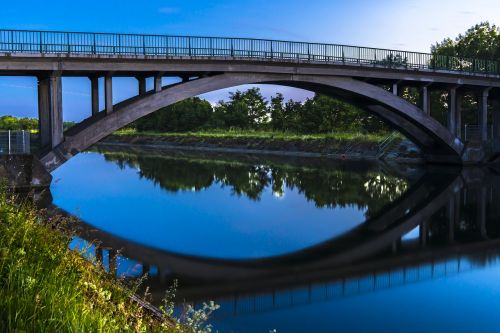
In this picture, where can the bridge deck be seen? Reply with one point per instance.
(157, 47)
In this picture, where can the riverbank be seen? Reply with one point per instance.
(335, 145)
(45, 287)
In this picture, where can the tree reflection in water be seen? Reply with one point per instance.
(345, 185)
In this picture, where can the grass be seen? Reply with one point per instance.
(259, 134)
(45, 287)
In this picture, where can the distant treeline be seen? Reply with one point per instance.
(28, 124)
(250, 110)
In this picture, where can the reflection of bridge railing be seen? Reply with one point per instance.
(83, 43)
(343, 287)
(14, 142)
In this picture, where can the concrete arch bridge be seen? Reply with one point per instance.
(356, 74)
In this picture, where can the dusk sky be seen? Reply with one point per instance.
(411, 25)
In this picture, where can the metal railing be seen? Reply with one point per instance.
(473, 133)
(14, 142)
(87, 43)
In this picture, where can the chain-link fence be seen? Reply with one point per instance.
(14, 142)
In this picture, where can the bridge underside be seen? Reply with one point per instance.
(436, 141)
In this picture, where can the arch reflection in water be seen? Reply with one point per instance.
(444, 224)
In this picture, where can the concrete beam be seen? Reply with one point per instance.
(94, 92)
(57, 129)
(454, 112)
(495, 102)
(158, 82)
(44, 112)
(50, 111)
(141, 80)
(108, 93)
(425, 100)
(481, 212)
(483, 114)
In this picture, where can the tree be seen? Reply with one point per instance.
(187, 115)
(277, 112)
(481, 41)
(255, 103)
(232, 114)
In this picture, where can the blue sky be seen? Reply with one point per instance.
(409, 24)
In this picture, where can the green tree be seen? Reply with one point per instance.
(481, 41)
(187, 115)
(277, 112)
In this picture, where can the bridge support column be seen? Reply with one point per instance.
(425, 100)
(483, 114)
(455, 112)
(453, 214)
(481, 212)
(496, 123)
(423, 233)
(50, 111)
(142, 85)
(113, 262)
(158, 83)
(108, 93)
(94, 92)
(396, 89)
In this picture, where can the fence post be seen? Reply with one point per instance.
(9, 140)
(24, 142)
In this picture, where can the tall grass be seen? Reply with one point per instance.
(45, 287)
(263, 134)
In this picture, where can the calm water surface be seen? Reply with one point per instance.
(296, 245)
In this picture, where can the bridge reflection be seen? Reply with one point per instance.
(446, 223)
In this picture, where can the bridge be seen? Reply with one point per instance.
(356, 74)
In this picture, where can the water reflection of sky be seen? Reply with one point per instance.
(211, 222)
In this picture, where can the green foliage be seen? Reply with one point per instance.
(45, 287)
(250, 110)
(186, 115)
(17, 124)
(481, 41)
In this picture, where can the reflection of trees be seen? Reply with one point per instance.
(325, 186)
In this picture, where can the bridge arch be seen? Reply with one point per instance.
(436, 142)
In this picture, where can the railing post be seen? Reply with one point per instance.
(144, 45)
(189, 45)
(41, 49)
(95, 47)
(232, 48)
(68, 44)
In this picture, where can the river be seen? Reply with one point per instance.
(295, 244)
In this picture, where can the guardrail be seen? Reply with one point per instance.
(15, 142)
(89, 43)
